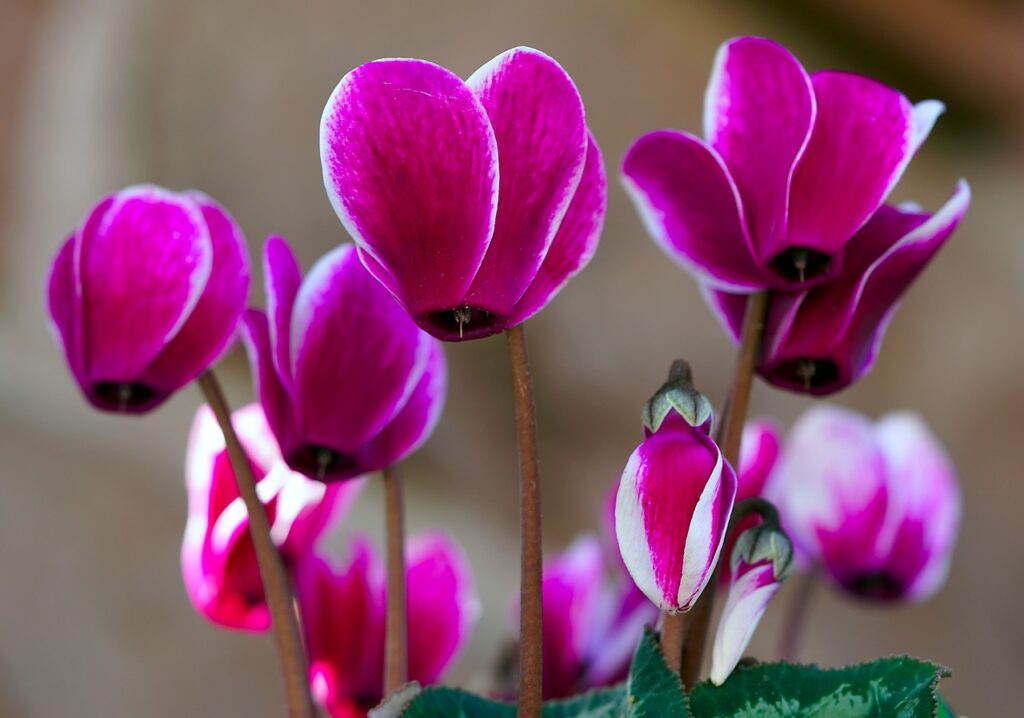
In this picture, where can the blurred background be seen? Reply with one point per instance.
(227, 96)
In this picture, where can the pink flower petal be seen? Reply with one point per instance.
(143, 262)
(411, 166)
(273, 397)
(758, 113)
(691, 207)
(862, 140)
(64, 302)
(283, 277)
(747, 600)
(576, 241)
(537, 117)
(759, 452)
(211, 327)
(442, 605)
(345, 395)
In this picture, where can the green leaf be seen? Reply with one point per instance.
(441, 702)
(607, 703)
(653, 690)
(901, 687)
(944, 711)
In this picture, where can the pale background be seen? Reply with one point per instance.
(226, 97)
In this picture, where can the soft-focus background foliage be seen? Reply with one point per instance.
(226, 97)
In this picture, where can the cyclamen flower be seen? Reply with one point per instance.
(591, 624)
(877, 505)
(762, 559)
(472, 201)
(349, 383)
(146, 294)
(671, 512)
(823, 339)
(343, 615)
(792, 166)
(218, 559)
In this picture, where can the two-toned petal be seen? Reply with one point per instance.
(673, 504)
(691, 207)
(410, 164)
(751, 590)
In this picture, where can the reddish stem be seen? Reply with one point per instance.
(396, 662)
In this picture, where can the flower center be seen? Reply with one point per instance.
(124, 395)
(320, 461)
(878, 584)
(799, 264)
(460, 323)
(810, 373)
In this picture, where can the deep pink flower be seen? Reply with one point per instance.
(591, 624)
(146, 294)
(877, 505)
(472, 201)
(671, 512)
(349, 383)
(218, 559)
(792, 165)
(343, 616)
(823, 339)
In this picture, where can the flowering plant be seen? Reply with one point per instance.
(471, 204)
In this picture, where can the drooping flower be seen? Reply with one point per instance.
(877, 505)
(760, 561)
(472, 201)
(146, 294)
(343, 615)
(792, 166)
(218, 559)
(592, 621)
(823, 339)
(349, 383)
(671, 512)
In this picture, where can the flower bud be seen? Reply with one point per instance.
(677, 397)
(671, 511)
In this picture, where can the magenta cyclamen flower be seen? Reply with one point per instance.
(671, 512)
(146, 294)
(472, 201)
(823, 339)
(792, 165)
(348, 382)
(877, 505)
(218, 559)
(591, 624)
(343, 615)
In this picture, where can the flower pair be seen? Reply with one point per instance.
(786, 194)
(342, 608)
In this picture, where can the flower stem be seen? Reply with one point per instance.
(272, 571)
(673, 631)
(530, 598)
(796, 614)
(730, 432)
(396, 662)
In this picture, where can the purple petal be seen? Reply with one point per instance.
(210, 328)
(343, 620)
(758, 112)
(442, 605)
(64, 304)
(273, 397)
(925, 501)
(576, 241)
(411, 166)
(759, 452)
(730, 309)
(691, 208)
(416, 420)
(345, 394)
(747, 600)
(283, 277)
(862, 140)
(537, 116)
(142, 264)
(572, 588)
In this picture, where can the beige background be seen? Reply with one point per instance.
(226, 97)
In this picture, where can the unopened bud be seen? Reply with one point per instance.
(678, 396)
(762, 543)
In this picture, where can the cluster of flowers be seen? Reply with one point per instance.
(471, 204)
